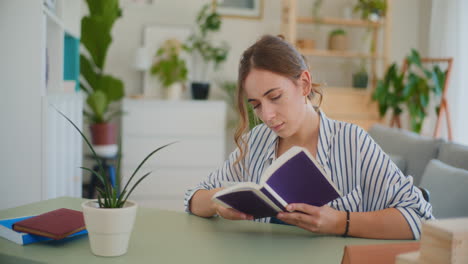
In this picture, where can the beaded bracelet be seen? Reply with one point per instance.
(347, 224)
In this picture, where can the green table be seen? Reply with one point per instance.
(172, 237)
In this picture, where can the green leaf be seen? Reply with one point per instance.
(112, 88)
(95, 36)
(98, 103)
(88, 72)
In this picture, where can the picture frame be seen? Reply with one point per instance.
(245, 9)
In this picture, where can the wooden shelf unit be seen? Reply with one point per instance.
(346, 103)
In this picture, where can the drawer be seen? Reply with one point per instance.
(187, 152)
(166, 182)
(152, 117)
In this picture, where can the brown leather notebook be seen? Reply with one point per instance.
(377, 253)
(56, 224)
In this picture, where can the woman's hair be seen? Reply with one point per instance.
(275, 55)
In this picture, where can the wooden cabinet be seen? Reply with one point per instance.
(197, 127)
(345, 103)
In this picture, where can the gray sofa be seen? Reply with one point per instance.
(437, 165)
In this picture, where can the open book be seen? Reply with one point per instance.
(295, 177)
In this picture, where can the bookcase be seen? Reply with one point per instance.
(344, 102)
(40, 154)
(198, 130)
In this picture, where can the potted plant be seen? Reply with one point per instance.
(337, 40)
(102, 89)
(371, 10)
(205, 53)
(412, 89)
(361, 77)
(170, 68)
(109, 219)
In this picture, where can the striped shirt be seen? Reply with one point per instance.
(366, 176)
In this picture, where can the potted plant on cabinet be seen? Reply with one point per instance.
(205, 54)
(109, 219)
(170, 68)
(361, 77)
(102, 89)
(412, 89)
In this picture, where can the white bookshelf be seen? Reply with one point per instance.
(32, 45)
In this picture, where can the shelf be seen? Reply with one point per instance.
(53, 17)
(342, 54)
(339, 21)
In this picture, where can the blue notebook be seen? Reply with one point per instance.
(7, 232)
(295, 177)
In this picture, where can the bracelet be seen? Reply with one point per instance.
(347, 224)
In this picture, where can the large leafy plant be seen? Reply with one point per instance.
(200, 42)
(412, 89)
(102, 89)
(170, 67)
(110, 196)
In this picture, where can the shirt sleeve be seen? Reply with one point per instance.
(387, 187)
(228, 172)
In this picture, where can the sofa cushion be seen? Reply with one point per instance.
(417, 150)
(448, 188)
(399, 161)
(454, 154)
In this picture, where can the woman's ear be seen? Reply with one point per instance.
(306, 82)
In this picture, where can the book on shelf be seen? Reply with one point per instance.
(294, 177)
(55, 226)
(377, 253)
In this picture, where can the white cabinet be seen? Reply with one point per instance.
(197, 127)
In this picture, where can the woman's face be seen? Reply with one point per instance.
(277, 100)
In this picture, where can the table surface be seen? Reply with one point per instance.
(173, 237)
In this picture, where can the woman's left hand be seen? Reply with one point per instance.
(322, 219)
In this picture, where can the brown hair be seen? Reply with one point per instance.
(272, 54)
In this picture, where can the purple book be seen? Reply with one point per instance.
(295, 177)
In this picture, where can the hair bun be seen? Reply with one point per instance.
(281, 36)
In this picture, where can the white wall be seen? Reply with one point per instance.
(410, 30)
(21, 50)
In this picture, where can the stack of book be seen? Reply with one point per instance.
(442, 241)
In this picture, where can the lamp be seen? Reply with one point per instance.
(142, 59)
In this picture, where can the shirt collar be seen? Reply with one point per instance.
(323, 144)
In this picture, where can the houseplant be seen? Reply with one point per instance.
(102, 89)
(205, 54)
(361, 77)
(371, 10)
(337, 40)
(170, 68)
(412, 89)
(109, 219)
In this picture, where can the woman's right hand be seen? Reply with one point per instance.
(231, 214)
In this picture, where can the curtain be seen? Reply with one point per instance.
(448, 37)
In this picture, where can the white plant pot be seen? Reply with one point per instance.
(175, 91)
(109, 229)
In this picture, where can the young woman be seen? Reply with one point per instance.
(379, 200)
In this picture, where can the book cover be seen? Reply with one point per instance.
(56, 224)
(295, 177)
(377, 253)
(21, 238)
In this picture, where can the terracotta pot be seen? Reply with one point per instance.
(104, 133)
(338, 42)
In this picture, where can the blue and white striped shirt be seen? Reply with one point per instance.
(366, 176)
